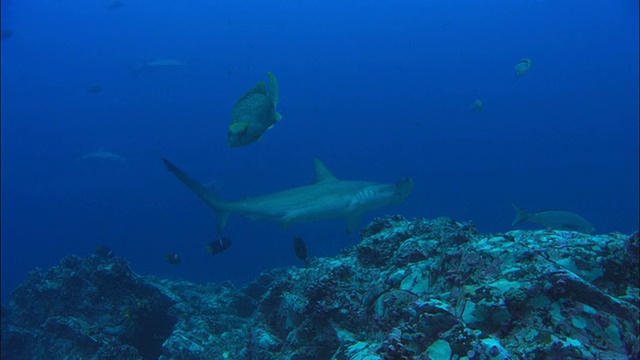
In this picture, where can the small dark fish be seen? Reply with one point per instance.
(103, 252)
(6, 34)
(171, 258)
(300, 248)
(94, 89)
(554, 219)
(219, 245)
(632, 245)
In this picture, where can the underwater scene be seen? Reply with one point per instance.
(304, 179)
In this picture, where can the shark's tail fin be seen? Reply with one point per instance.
(203, 193)
(521, 215)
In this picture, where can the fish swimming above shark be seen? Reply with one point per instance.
(325, 198)
(254, 113)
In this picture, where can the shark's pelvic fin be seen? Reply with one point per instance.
(353, 222)
(322, 173)
(222, 220)
(203, 193)
(284, 225)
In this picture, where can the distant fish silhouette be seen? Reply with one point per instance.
(157, 64)
(553, 219)
(115, 5)
(172, 258)
(6, 34)
(103, 252)
(523, 66)
(300, 248)
(162, 63)
(165, 63)
(94, 89)
(476, 106)
(219, 245)
(103, 155)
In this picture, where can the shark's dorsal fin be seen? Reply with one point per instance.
(322, 173)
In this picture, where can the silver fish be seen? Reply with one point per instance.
(103, 155)
(553, 219)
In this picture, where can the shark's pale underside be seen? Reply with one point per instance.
(325, 198)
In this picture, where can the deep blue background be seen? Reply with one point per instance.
(377, 89)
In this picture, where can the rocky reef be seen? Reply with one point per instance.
(412, 289)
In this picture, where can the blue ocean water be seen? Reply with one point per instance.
(377, 89)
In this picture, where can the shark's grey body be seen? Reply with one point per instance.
(326, 198)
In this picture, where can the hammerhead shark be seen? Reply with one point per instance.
(325, 198)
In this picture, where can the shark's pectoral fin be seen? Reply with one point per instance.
(286, 219)
(353, 222)
(222, 219)
(284, 225)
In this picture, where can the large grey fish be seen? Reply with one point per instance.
(325, 198)
(164, 62)
(160, 63)
(103, 155)
(254, 113)
(553, 219)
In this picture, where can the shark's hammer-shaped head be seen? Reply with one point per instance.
(404, 187)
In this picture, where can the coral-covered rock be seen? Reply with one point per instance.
(412, 289)
(83, 308)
